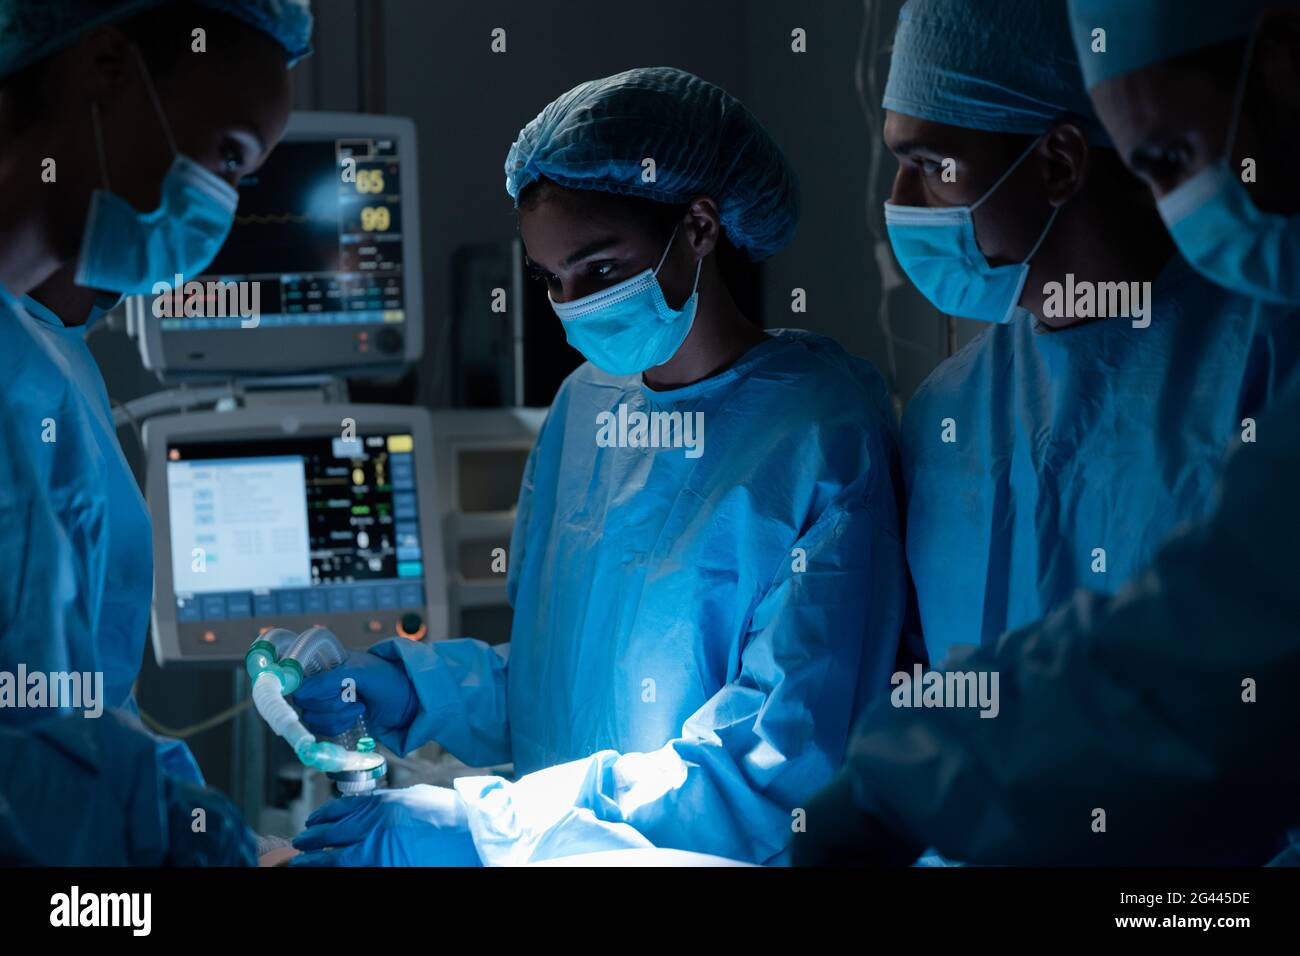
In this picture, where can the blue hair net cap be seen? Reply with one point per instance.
(1142, 34)
(31, 30)
(702, 141)
(1005, 67)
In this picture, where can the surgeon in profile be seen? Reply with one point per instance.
(1206, 111)
(1064, 444)
(123, 147)
(1138, 703)
(693, 633)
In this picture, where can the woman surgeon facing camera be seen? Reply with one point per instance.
(695, 624)
(123, 144)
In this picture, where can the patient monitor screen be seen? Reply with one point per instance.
(291, 532)
(319, 227)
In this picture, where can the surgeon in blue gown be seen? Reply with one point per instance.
(149, 142)
(695, 624)
(1057, 450)
(128, 566)
(1193, 96)
(1169, 704)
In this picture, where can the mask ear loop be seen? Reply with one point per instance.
(699, 263)
(1043, 235)
(1003, 178)
(667, 248)
(1239, 97)
(1007, 175)
(101, 153)
(99, 145)
(153, 98)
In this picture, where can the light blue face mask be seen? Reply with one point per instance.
(629, 327)
(936, 247)
(1225, 236)
(127, 251)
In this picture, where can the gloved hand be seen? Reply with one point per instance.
(418, 826)
(224, 840)
(383, 692)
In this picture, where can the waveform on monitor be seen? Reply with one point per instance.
(278, 218)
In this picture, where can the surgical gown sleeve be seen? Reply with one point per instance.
(461, 683)
(43, 611)
(73, 789)
(731, 782)
(1170, 707)
(175, 756)
(461, 688)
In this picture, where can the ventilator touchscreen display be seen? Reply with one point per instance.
(294, 526)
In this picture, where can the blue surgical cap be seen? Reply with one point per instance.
(1005, 67)
(287, 22)
(31, 30)
(702, 141)
(1141, 34)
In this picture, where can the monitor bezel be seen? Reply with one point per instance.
(306, 125)
(253, 424)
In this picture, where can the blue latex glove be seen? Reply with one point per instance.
(225, 839)
(418, 826)
(383, 693)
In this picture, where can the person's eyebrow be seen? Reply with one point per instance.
(590, 249)
(909, 146)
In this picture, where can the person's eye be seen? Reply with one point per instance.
(602, 268)
(539, 274)
(232, 155)
(1164, 163)
(929, 166)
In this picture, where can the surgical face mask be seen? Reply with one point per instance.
(1225, 236)
(629, 327)
(937, 249)
(127, 251)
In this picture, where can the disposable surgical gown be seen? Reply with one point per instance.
(1170, 706)
(1096, 438)
(73, 791)
(692, 635)
(57, 410)
(81, 792)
